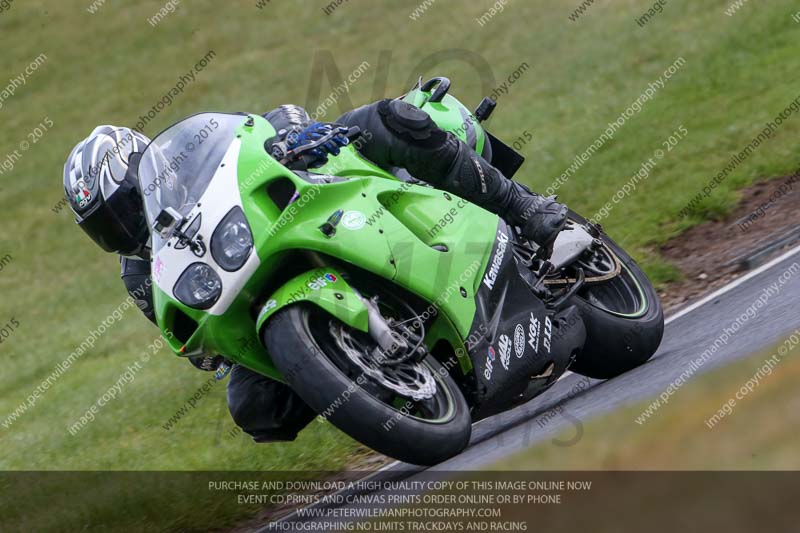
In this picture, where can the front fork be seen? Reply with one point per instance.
(394, 346)
(379, 328)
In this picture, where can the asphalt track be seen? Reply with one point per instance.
(688, 333)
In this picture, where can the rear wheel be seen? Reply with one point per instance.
(412, 411)
(623, 315)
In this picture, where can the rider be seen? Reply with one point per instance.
(102, 188)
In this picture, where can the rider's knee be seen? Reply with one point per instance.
(410, 123)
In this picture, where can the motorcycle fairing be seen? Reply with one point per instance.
(512, 336)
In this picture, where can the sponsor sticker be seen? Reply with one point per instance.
(491, 356)
(534, 330)
(322, 281)
(548, 332)
(497, 259)
(82, 194)
(504, 346)
(519, 340)
(158, 268)
(354, 220)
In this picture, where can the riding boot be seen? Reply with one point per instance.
(539, 218)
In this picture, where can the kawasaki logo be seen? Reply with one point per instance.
(497, 260)
(504, 344)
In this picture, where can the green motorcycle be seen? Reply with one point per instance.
(398, 312)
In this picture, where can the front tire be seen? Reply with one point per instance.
(309, 357)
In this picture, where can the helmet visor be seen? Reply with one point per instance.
(117, 225)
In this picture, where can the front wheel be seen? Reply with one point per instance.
(412, 411)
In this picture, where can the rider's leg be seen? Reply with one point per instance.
(402, 135)
(265, 409)
(135, 274)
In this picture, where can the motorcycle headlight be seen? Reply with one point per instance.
(199, 286)
(232, 241)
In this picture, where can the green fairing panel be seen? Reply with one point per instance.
(392, 239)
(232, 334)
(325, 288)
(426, 241)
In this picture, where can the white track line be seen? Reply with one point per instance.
(732, 285)
(686, 310)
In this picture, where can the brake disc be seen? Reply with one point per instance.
(409, 379)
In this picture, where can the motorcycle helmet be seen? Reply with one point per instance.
(101, 186)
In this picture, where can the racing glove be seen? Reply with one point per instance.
(318, 155)
(210, 363)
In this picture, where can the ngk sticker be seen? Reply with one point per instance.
(534, 329)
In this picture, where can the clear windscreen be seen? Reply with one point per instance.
(178, 165)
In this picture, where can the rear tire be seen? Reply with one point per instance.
(300, 351)
(616, 344)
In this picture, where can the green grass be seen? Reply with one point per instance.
(112, 67)
(751, 434)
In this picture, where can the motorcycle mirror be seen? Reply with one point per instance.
(484, 109)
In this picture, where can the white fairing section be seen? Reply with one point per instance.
(221, 196)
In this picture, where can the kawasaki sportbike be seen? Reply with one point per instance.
(399, 312)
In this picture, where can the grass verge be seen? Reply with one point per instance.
(705, 426)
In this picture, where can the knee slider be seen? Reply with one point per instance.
(411, 123)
